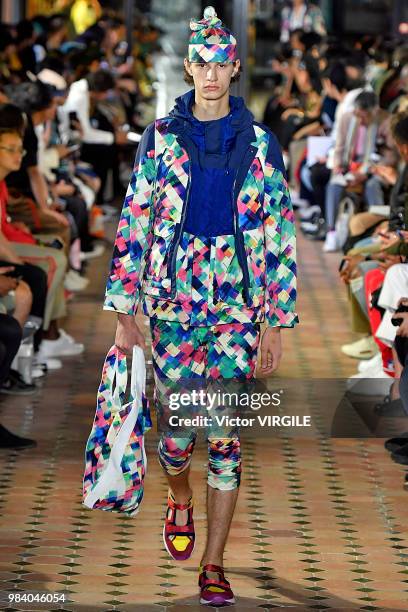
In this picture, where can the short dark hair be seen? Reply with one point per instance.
(336, 73)
(24, 30)
(366, 100)
(190, 81)
(399, 128)
(30, 96)
(54, 61)
(100, 81)
(56, 22)
(12, 120)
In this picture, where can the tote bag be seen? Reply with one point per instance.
(115, 457)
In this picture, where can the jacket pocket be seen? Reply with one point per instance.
(250, 198)
(227, 279)
(184, 267)
(254, 244)
(158, 258)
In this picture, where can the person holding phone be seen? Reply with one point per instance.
(98, 145)
(357, 135)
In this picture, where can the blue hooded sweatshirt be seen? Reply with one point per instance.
(210, 205)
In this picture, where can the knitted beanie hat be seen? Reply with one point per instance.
(210, 40)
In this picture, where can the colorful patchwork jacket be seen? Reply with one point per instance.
(204, 280)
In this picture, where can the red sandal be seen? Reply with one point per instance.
(214, 591)
(179, 540)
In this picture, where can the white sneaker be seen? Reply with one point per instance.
(48, 362)
(307, 213)
(97, 251)
(59, 348)
(365, 348)
(37, 372)
(368, 364)
(331, 244)
(66, 335)
(309, 228)
(75, 282)
(299, 202)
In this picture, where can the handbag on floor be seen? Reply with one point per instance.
(115, 457)
(346, 211)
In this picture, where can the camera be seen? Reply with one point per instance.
(397, 322)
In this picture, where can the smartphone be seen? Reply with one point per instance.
(343, 264)
(72, 118)
(74, 148)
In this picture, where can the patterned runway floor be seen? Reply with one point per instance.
(321, 524)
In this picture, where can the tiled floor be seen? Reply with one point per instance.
(320, 523)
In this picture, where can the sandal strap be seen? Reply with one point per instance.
(204, 581)
(171, 515)
(172, 504)
(184, 530)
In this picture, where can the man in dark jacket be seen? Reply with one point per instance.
(206, 241)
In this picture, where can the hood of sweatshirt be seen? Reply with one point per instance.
(215, 137)
(216, 149)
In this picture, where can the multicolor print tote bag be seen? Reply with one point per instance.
(115, 457)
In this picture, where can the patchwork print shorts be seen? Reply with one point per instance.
(202, 354)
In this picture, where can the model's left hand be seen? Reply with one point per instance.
(271, 350)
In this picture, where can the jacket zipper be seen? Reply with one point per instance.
(242, 259)
(178, 237)
(239, 240)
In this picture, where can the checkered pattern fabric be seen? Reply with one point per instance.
(202, 282)
(211, 41)
(114, 442)
(217, 352)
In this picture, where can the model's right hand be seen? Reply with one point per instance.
(128, 334)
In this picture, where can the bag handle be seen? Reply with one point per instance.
(138, 377)
(114, 374)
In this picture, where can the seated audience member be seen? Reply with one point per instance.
(98, 144)
(337, 86)
(15, 305)
(357, 141)
(16, 294)
(19, 247)
(299, 70)
(58, 166)
(10, 339)
(398, 446)
(307, 79)
(35, 100)
(379, 261)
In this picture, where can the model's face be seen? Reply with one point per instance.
(212, 80)
(11, 152)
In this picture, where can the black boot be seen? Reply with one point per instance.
(394, 444)
(401, 455)
(10, 440)
(15, 385)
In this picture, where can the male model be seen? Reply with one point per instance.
(206, 242)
